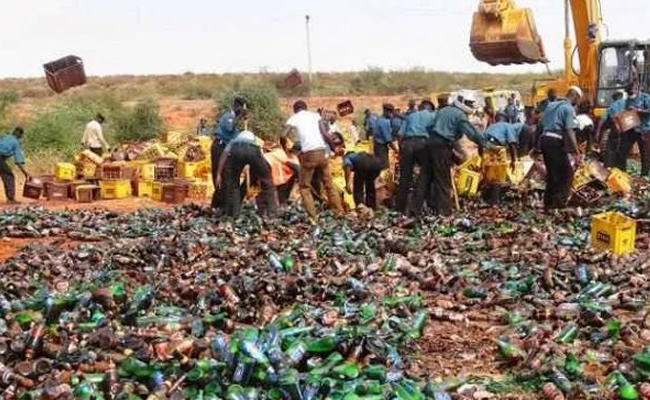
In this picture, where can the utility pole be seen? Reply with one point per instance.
(307, 18)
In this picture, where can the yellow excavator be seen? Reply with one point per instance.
(503, 34)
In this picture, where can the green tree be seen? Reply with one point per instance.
(141, 123)
(264, 114)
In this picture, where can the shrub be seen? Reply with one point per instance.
(141, 123)
(265, 115)
(61, 127)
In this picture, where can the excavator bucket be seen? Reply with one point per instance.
(503, 34)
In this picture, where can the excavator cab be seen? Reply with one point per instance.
(503, 34)
(619, 64)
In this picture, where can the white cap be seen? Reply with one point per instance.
(577, 90)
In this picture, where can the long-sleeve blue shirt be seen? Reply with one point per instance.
(383, 133)
(10, 147)
(370, 124)
(451, 123)
(418, 124)
(226, 127)
(503, 133)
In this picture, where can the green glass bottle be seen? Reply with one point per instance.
(572, 366)
(626, 391)
(296, 352)
(323, 345)
(25, 318)
(326, 366)
(83, 391)
(288, 263)
(289, 381)
(133, 367)
(370, 387)
(376, 372)
(568, 334)
(475, 292)
(407, 390)
(417, 327)
(235, 392)
(509, 351)
(347, 370)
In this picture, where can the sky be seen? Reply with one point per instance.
(216, 36)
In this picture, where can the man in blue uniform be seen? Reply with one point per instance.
(383, 136)
(503, 134)
(557, 142)
(369, 123)
(413, 134)
(450, 124)
(609, 151)
(366, 169)
(226, 129)
(551, 97)
(10, 148)
(639, 102)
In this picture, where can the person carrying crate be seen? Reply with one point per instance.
(10, 148)
(639, 102)
(558, 144)
(450, 125)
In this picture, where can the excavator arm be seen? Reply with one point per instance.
(503, 34)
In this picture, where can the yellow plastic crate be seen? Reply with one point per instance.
(348, 199)
(619, 182)
(467, 182)
(157, 191)
(145, 188)
(495, 173)
(65, 171)
(189, 170)
(614, 232)
(116, 189)
(146, 171)
(582, 177)
(497, 155)
(363, 146)
(473, 164)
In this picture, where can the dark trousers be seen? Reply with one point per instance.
(8, 180)
(240, 156)
(412, 152)
(611, 146)
(381, 152)
(215, 154)
(435, 178)
(97, 150)
(366, 171)
(559, 173)
(628, 139)
(526, 141)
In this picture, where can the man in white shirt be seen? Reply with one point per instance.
(93, 137)
(314, 138)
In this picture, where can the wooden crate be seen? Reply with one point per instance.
(57, 191)
(86, 193)
(174, 194)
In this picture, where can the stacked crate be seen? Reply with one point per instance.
(115, 181)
